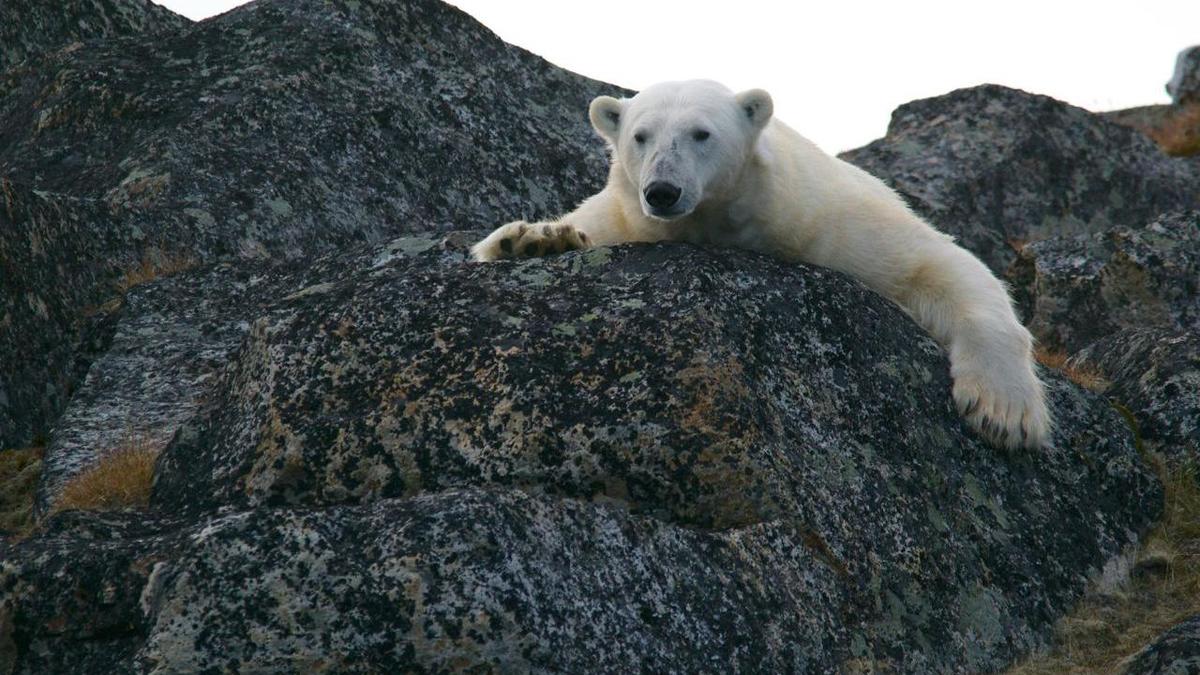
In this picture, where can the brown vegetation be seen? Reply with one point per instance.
(155, 264)
(19, 471)
(1081, 373)
(120, 479)
(1110, 625)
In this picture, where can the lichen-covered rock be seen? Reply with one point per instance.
(1175, 652)
(287, 126)
(1074, 290)
(30, 27)
(69, 598)
(55, 277)
(717, 393)
(1184, 86)
(998, 167)
(1155, 373)
(169, 339)
(275, 130)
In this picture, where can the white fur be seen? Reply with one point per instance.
(756, 184)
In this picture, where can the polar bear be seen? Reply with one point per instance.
(692, 161)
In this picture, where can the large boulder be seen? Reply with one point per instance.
(1155, 373)
(165, 340)
(999, 167)
(1074, 290)
(30, 27)
(651, 453)
(275, 130)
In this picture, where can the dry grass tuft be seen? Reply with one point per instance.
(155, 265)
(1178, 134)
(121, 479)
(1108, 627)
(1082, 374)
(19, 472)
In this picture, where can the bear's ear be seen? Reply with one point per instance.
(756, 104)
(605, 113)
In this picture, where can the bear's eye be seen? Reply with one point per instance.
(700, 135)
(639, 138)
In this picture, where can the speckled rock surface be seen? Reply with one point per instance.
(277, 130)
(1175, 652)
(998, 167)
(713, 394)
(168, 340)
(1156, 374)
(52, 315)
(1072, 291)
(1184, 86)
(289, 126)
(30, 27)
(69, 599)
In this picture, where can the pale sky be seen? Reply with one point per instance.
(837, 69)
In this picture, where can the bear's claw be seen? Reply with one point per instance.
(1010, 412)
(522, 240)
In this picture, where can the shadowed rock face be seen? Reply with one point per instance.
(276, 130)
(1074, 290)
(1156, 374)
(53, 320)
(1176, 651)
(31, 27)
(998, 167)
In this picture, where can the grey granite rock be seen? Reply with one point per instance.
(1175, 652)
(1155, 373)
(1184, 86)
(1074, 290)
(276, 130)
(169, 339)
(53, 318)
(714, 394)
(998, 168)
(31, 27)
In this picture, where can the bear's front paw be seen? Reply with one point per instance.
(525, 240)
(1008, 408)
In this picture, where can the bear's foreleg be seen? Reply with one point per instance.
(964, 306)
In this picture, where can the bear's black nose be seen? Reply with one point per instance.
(662, 195)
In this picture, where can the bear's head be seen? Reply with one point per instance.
(682, 143)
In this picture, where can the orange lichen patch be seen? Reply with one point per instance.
(155, 265)
(1079, 372)
(121, 479)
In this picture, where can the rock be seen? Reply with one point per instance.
(1072, 291)
(482, 426)
(1175, 652)
(69, 599)
(1184, 86)
(1155, 373)
(998, 168)
(1175, 128)
(53, 278)
(30, 27)
(276, 130)
(170, 337)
